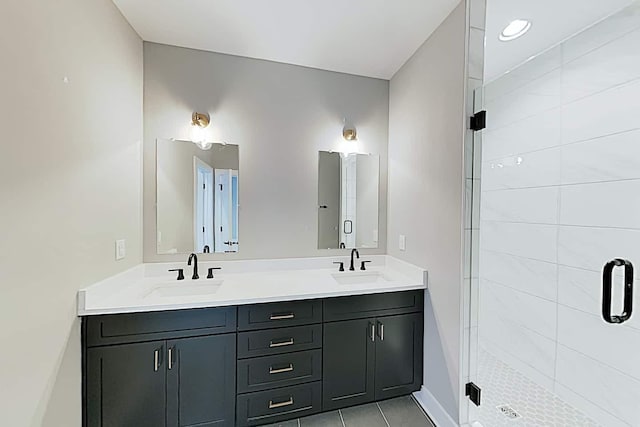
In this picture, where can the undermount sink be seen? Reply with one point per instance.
(185, 289)
(348, 278)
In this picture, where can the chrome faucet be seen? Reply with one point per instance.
(354, 250)
(194, 257)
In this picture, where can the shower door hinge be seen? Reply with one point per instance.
(479, 120)
(474, 392)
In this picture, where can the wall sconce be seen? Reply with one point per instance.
(199, 121)
(349, 134)
(349, 131)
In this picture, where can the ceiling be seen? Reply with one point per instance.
(371, 38)
(552, 22)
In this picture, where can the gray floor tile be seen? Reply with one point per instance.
(291, 423)
(327, 419)
(363, 416)
(404, 412)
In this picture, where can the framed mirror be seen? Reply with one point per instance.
(197, 197)
(348, 194)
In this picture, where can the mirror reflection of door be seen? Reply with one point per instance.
(329, 198)
(226, 210)
(203, 205)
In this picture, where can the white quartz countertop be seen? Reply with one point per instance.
(150, 287)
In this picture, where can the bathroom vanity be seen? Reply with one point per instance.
(235, 364)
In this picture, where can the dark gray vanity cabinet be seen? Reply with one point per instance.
(348, 363)
(125, 385)
(172, 382)
(372, 358)
(398, 356)
(250, 365)
(201, 378)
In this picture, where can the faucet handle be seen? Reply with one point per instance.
(210, 274)
(180, 273)
(363, 265)
(341, 265)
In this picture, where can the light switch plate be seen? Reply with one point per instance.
(121, 249)
(402, 244)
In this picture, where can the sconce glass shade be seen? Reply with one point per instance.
(349, 134)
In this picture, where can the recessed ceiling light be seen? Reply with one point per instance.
(515, 29)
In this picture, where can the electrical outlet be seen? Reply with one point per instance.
(121, 249)
(402, 244)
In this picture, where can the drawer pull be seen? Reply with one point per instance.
(281, 370)
(281, 404)
(281, 344)
(282, 316)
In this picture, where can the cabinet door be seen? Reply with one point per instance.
(201, 381)
(398, 355)
(348, 363)
(125, 385)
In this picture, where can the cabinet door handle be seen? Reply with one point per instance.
(156, 360)
(170, 358)
(373, 332)
(281, 370)
(281, 344)
(282, 316)
(381, 328)
(281, 404)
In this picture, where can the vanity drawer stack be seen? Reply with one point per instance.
(279, 367)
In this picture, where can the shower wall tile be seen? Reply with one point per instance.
(531, 312)
(535, 68)
(534, 205)
(527, 347)
(533, 241)
(603, 68)
(591, 336)
(599, 415)
(537, 169)
(590, 248)
(609, 158)
(533, 98)
(602, 33)
(526, 275)
(609, 389)
(605, 204)
(531, 134)
(605, 113)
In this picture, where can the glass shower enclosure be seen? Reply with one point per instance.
(554, 340)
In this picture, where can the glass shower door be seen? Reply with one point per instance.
(554, 337)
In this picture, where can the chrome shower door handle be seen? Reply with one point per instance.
(607, 291)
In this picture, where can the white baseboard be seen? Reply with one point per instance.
(433, 408)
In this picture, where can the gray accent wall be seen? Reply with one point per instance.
(70, 180)
(426, 181)
(280, 116)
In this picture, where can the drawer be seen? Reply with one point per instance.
(278, 341)
(282, 404)
(279, 314)
(158, 325)
(262, 373)
(373, 305)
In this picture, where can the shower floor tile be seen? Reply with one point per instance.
(511, 399)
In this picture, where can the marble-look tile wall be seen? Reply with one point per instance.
(561, 197)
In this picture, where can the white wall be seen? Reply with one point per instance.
(280, 116)
(560, 185)
(70, 185)
(426, 133)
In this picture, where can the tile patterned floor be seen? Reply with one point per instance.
(536, 406)
(399, 412)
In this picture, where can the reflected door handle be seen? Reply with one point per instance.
(607, 291)
(348, 226)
